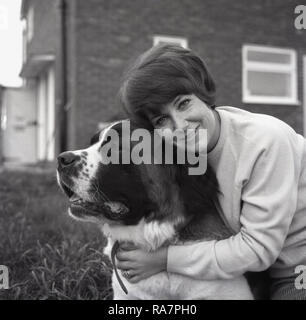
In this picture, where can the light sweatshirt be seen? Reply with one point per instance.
(260, 164)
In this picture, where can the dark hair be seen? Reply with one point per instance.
(159, 75)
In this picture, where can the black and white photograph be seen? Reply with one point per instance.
(152, 150)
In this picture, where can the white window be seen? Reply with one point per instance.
(269, 75)
(174, 40)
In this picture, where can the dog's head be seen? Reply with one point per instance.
(115, 193)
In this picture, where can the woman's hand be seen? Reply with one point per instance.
(140, 264)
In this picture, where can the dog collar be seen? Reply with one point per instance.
(113, 254)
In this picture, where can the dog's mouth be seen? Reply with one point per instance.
(69, 193)
(91, 208)
(80, 207)
(78, 204)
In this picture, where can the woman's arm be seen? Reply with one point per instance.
(268, 204)
(269, 200)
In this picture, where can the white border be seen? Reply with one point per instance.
(290, 68)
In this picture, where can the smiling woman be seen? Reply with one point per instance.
(189, 114)
(259, 162)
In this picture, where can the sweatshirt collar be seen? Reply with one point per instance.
(214, 154)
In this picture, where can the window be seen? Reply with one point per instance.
(269, 75)
(174, 40)
(30, 24)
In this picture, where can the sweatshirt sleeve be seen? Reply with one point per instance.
(269, 199)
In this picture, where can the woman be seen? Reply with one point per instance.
(260, 164)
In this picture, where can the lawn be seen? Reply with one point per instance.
(49, 255)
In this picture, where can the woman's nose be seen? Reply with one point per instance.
(180, 123)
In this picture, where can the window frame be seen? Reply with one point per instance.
(30, 24)
(290, 69)
(170, 39)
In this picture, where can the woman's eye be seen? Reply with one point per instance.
(184, 103)
(160, 121)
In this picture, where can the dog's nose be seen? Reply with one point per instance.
(66, 159)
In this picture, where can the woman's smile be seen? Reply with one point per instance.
(188, 113)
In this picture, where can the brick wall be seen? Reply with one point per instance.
(45, 27)
(106, 34)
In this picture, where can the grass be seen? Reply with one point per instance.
(49, 255)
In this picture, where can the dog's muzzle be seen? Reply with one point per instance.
(68, 166)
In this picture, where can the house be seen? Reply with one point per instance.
(76, 52)
(28, 113)
(38, 70)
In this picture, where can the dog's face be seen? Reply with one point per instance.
(101, 192)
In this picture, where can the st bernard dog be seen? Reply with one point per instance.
(152, 206)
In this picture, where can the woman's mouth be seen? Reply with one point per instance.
(192, 133)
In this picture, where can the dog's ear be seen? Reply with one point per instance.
(117, 209)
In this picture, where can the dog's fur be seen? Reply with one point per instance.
(165, 206)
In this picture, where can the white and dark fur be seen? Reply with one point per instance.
(165, 206)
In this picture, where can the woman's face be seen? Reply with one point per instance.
(188, 112)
